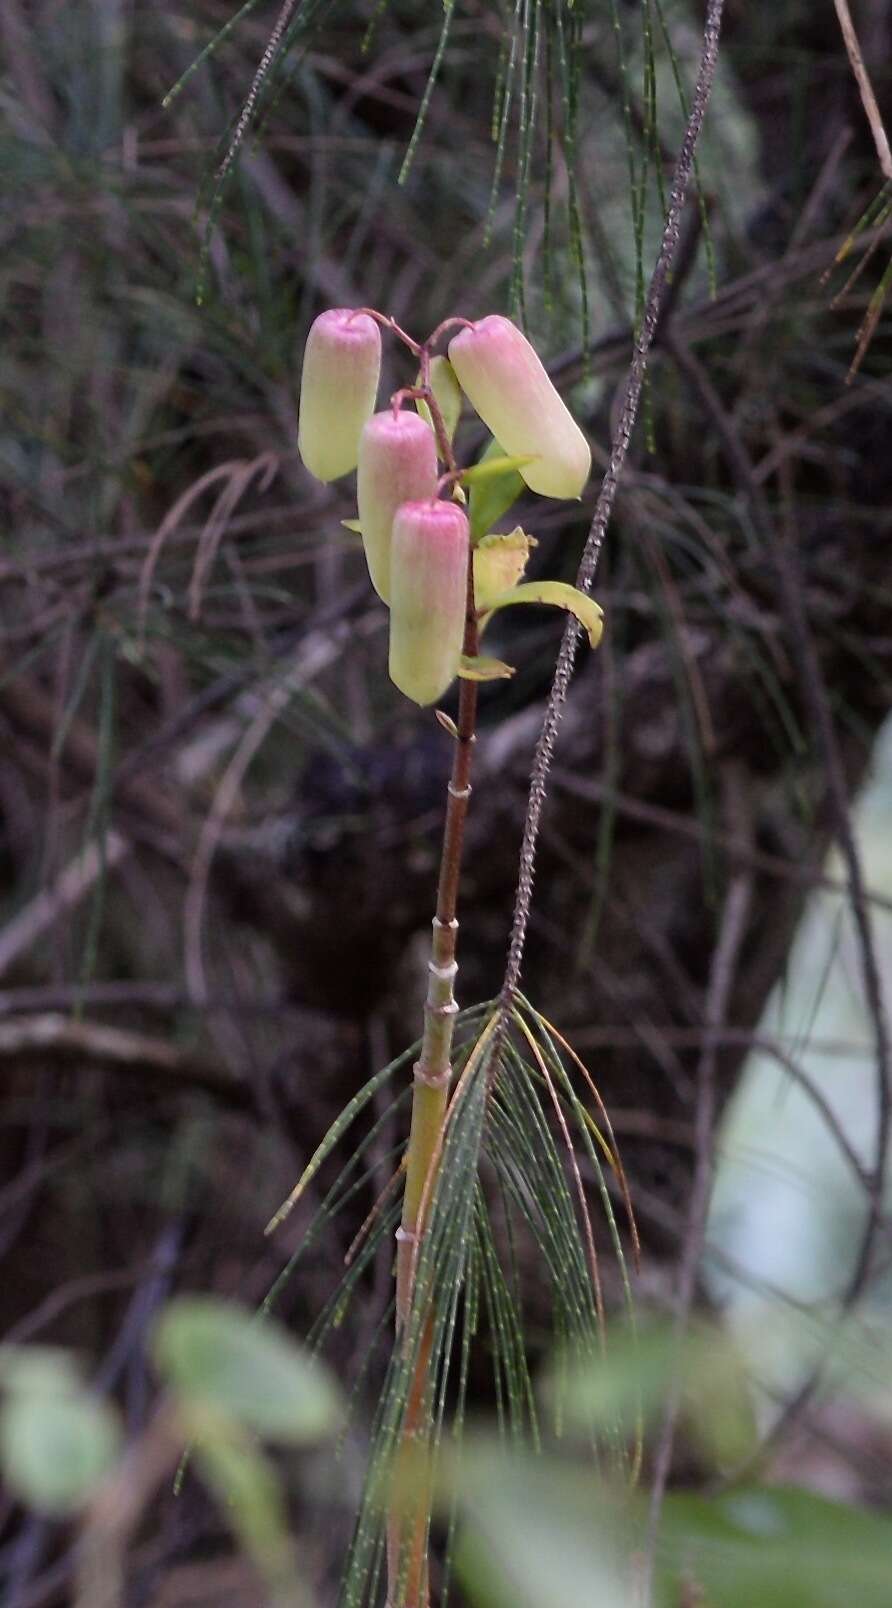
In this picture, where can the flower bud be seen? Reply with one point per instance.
(507, 384)
(339, 383)
(397, 464)
(428, 596)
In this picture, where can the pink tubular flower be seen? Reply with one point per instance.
(339, 383)
(428, 595)
(397, 464)
(505, 381)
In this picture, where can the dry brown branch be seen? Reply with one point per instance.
(53, 1036)
(628, 415)
(865, 88)
(52, 904)
(319, 650)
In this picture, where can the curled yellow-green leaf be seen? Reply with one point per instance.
(499, 563)
(474, 668)
(560, 596)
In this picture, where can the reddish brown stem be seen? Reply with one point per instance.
(448, 323)
(386, 322)
(459, 790)
(409, 1520)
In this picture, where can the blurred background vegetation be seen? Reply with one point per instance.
(219, 824)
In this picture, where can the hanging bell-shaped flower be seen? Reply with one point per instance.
(428, 597)
(505, 381)
(397, 464)
(339, 383)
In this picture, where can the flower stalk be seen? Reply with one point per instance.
(432, 1071)
(408, 1527)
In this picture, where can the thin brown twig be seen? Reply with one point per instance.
(67, 1295)
(118, 1506)
(129, 994)
(741, 1038)
(318, 651)
(247, 112)
(673, 821)
(39, 918)
(51, 1036)
(264, 468)
(865, 88)
(606, 498)
(233, 471)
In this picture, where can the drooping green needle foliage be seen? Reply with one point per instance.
(535, 63)
(875, 217)
(525, 1138)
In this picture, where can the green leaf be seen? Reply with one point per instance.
(475, 668)
(495, 468)
(536, 1534)
(220, 1356)
(632, 1376)
(539, 1533)
(493, 492)
(246, 1486)
(778, 1547)
(40, 1370)
(56, 1448)
(499, 564)
(557, 593)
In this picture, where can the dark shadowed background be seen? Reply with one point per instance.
(219, 822)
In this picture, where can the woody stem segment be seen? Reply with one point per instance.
(433, 1068)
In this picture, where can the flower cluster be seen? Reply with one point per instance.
(413, 516)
